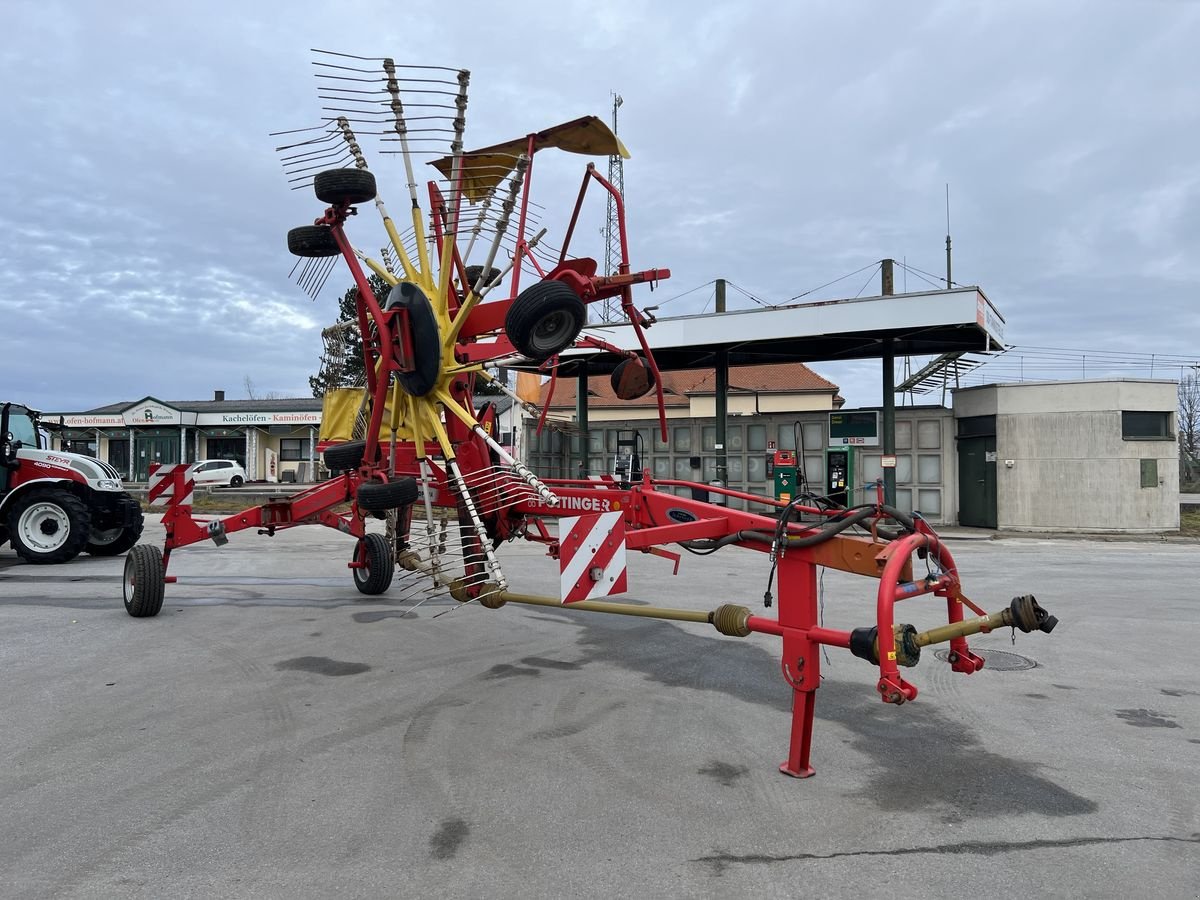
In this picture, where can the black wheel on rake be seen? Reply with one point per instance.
(143, 581)
(342, 457)
(377, 576)
(473, 273)
(426, 339)
(344, 186)
(545, 319)
(375, 496)
(312, 241)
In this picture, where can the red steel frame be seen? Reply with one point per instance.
(651, 516)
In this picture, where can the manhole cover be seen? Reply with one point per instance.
(997, 660)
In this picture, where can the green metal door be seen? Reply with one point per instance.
(977, 481)
(154, 448)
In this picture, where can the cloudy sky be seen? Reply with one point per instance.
(776, 145)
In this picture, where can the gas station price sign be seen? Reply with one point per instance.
(854, 429)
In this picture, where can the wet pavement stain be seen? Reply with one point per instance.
(366, 618)
(444, 842)
(1147, 718)
(322, 665)
(506, 671)
(723, 772)
(542, 663)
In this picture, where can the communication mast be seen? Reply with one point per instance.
(610, 309)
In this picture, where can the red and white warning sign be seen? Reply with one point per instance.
(591, 556)
(164, 480)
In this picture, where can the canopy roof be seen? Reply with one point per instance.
(485, 168)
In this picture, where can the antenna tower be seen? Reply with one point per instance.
(611, 308)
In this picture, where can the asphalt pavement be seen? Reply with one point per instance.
(273, 733)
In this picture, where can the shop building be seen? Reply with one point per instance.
(274, 440)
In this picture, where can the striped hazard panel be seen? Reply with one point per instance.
(170, 484)
(591, 556)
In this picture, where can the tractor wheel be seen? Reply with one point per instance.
(114, 541)
(143, 583)
(312, 241)
(377, 576)
(375, 496)
(49, 526)
(473, 273)
(349, 186)
(545, 319)
(343, 457)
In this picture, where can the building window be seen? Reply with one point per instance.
(1146, 426)
(291, 449)
(86, 448)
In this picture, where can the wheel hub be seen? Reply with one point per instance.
(44, 527)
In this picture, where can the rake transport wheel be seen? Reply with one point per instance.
(545, 319)
(313, 241)
(376, 577)
(473, 273)
(48, 526)
(143, 583)
(343, 457)
(376, 496)
(349, 186)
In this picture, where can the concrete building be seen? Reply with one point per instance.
(1098, 455)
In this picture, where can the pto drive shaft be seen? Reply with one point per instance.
(1023, 613)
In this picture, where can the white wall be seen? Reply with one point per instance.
(1071, 470)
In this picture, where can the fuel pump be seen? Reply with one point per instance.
(783, 463)
(837, 480)
(627, 464)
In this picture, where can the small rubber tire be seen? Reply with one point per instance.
(143, 583)
(312, 241)
(343, 457)
(344, 186)
(58, 508)
(237, 481)
(377, 576)
(545, 319)
(473, 273)
(376, 496)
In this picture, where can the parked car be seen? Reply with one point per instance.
(219, 471)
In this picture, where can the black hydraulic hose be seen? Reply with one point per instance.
(827, 531)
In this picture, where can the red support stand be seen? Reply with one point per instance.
(801, 664)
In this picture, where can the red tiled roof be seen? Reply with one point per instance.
(788, 378)
(780, 378)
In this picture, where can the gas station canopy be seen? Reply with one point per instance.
(919, 324)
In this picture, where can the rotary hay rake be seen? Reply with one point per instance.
(424, 454)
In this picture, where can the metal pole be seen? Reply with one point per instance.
(889, 396)
(949, 281)
(581, 418)
(722, 388)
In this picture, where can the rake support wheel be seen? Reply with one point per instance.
(545, 319)
(348, 187)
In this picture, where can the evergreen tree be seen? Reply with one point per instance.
(353, 371)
